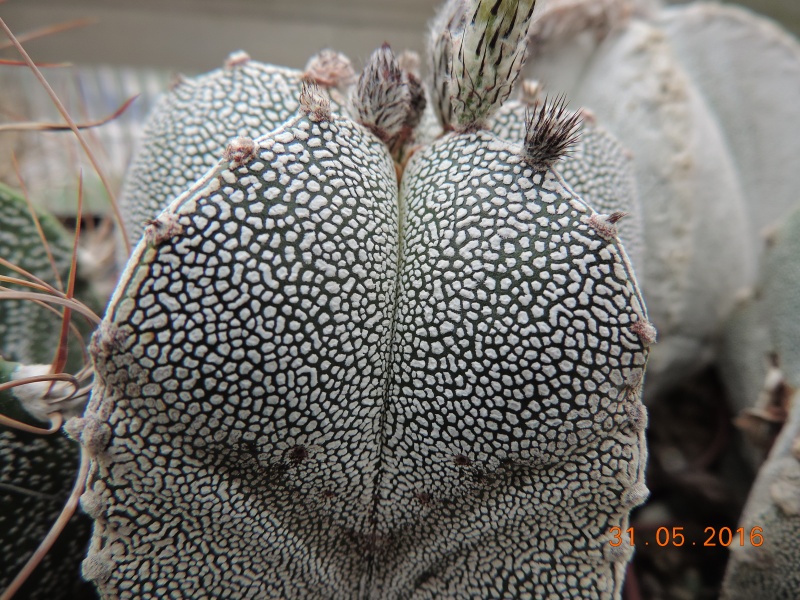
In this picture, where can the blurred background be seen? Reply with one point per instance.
(195, 35)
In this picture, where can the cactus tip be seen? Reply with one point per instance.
(478, 49)
(237, 59)
(386, 98)
(604, 226)
(329, 68)
(550, 133)
(314, 103)
(176, 80)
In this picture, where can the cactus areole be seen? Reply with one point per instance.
(316, 382)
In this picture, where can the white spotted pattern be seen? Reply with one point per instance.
(191, 124)
(294, 416)
(598, 168)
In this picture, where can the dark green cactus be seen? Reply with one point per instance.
(189, 125)
(28, 332)
(366, 349)
(36, 472)
(315, 381)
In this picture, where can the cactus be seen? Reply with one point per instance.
(189, 125)
(717, 88)
(28, 332)
(686, 90)
(314, 380)
(36, 473)
(598, 168)
(770, 569)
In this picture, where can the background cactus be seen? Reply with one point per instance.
(774, 503)
(28, 332)
(36, 472)
(702, 145)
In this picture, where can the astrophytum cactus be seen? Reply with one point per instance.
(36, 473)
(325, 373)
(598, 168)
(28, 332)
(769, 567)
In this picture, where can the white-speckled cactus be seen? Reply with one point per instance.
(36, 472)
(28, 332)
(703, 96)
(325, 373)
(189, 125)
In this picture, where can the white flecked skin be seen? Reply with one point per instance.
(190, 125)
(698, 254)
(28, 332)
(304, 402)
(598, 168)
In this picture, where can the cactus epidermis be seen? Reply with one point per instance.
(273, 368)
(304, 391)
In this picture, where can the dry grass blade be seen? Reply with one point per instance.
(27, 126)
(55, 424)
(21, 63)
(55, 531)
(60, 359)
(53, 377)
(75, 305)
(36, 222)
(23, 282)
(17, 269)
(49, 30)
(61, 109)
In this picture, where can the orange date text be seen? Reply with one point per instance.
(675, 536)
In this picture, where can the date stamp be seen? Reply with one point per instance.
(674, 536)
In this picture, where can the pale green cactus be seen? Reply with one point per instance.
(334, 382)
(770, 569)
(701, 95)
